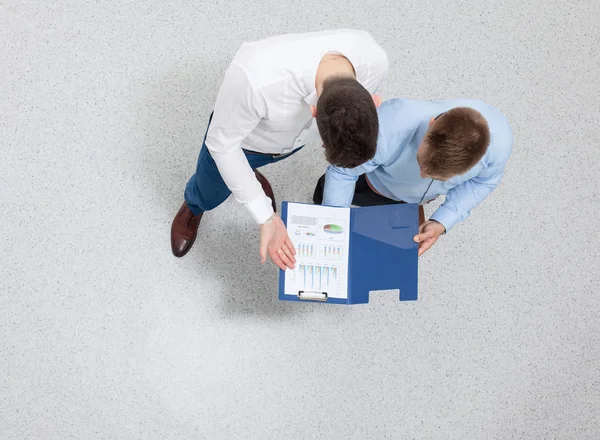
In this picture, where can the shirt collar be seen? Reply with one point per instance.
(309, 78)
(421, 131)
(312, 98)
(424, 126)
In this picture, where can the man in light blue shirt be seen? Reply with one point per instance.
(457, 148)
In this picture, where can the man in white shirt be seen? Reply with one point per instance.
(264, 113)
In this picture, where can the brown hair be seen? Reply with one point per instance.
(455, 142)
(347, 122)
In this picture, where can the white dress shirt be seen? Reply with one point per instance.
(264, 102)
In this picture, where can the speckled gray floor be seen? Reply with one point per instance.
(105, 335)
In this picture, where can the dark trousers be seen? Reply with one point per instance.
(206, 189)
(363, 196)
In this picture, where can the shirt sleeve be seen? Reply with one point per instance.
(341, 182)
(466, 196)
(238, 110)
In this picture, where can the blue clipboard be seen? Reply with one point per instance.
(382, 254)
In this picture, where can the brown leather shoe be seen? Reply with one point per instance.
(184, 230)
(266, 186)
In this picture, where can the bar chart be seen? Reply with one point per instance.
(305, 250)
(320, 278)
(333, 252)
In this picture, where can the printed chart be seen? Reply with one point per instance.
(321, 239)
(330, 252)
(333, 229)
(317, 277)
(305, 250)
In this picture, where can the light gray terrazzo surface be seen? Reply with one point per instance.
(105, 335)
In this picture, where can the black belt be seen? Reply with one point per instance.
(274, 156)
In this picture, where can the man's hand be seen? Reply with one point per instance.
(275, 241)
(429, 232)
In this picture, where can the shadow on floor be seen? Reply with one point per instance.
(230, 249)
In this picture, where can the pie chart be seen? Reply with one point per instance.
(333, 229)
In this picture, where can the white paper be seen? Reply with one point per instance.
(321, 237)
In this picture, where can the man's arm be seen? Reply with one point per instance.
(238, 110)
(466, 196)
(341, 182)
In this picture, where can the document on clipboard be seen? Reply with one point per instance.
(343, 254)
(321, 237)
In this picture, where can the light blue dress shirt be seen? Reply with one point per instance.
(395, 173)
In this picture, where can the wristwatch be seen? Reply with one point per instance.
(270, 219)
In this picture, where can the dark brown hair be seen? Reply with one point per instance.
(347, 122)
(455, 142)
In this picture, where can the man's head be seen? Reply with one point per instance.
(455, 142)
(347, 121)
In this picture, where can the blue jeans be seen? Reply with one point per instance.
(206, 189)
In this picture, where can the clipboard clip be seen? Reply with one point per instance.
(311, 295)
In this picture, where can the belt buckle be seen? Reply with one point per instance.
(279, 156)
